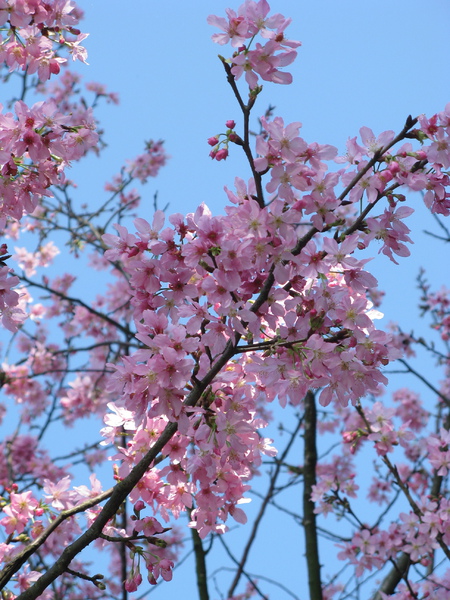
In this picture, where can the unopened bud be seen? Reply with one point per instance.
(394, 167)
(221, 154)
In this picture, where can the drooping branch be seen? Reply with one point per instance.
(79, 302)
(403, 485)
(424, 380)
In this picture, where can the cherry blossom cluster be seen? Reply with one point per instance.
(439, 304)
(195, 287)
(27, 515)
(31, 460)
(212, 475)
(418, 535)
(419, 531)
(39, 141)
(437, 129)
(296, 166)
(34, 32)
(377, 426)
(148, 164)
(211, 318)
(67, 93)
(265, 60)
(37, 144)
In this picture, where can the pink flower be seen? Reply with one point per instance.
(221, 154)
(58, 494)
(235, 28)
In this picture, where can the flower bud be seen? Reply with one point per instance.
(230, 124)
(212, 141)
(222, 154)
(394, 167)
(349, 437)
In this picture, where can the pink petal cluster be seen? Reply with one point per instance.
(207, 320)
(37, 30)
(265, 60)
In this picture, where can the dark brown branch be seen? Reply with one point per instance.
(119, 494)
(393, 578)
(200, 564)
(151, 539)
(404, 487)
(425, 381)
(95, 579)
(309, 516)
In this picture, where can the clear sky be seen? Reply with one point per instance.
(361, 63)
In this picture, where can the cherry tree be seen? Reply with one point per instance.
(203, 325)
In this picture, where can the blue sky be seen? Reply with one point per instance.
(361, 63)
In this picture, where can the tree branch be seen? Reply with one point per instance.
(393, 578)
(200, 564)
(246, 109)
(309, 518)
